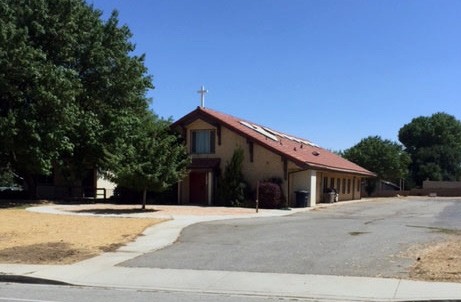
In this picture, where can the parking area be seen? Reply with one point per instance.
(373, 238)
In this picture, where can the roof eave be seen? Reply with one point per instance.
(325, 167)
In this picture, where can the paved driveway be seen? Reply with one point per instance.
(360, 239)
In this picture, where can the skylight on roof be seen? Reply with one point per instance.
(309, 143)
(260, 130)
(272, 131)
(298, 140)
(272, 134)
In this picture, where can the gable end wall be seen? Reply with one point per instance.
(266, 164)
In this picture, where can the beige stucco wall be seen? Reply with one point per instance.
(300, 181)
(305, 180)
(265, 164)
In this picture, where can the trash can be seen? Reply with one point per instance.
(329, 197)
(332, 197)
(302, 199)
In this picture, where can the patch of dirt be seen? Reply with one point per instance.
(34, 238)
(439, 261)
(49, 252)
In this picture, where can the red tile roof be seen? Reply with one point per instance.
(301, 151)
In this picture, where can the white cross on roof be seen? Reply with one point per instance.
(202, 92)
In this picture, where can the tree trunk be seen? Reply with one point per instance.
(144, 195)
(31, 186)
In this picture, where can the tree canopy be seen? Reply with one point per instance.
(434, 144)
(70, 85)
(384, 157)
(154, 158)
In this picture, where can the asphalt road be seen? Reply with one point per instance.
(358, 239)
(11, 292)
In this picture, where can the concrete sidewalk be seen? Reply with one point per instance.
(328, 288)
(104, 271)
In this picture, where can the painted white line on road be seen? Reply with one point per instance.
(24, 300)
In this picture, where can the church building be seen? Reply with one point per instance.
(212, 137)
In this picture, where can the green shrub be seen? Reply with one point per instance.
(232, 186)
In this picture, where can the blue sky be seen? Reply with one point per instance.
(333, 72)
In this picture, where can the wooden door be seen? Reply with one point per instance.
(198, 188)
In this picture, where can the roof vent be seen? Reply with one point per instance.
(315, 153)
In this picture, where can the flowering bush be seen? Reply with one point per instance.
(270, 195)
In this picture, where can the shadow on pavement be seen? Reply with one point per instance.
(29, 280)
(116, 211)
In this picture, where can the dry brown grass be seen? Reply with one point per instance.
(34, 238)
(439, 261)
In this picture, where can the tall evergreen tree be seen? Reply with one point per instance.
(232, 184)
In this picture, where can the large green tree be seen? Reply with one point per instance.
(68, 80)
(154, 157)
(385, 158)
(434, 144)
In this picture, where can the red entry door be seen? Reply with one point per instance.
(198, 189)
